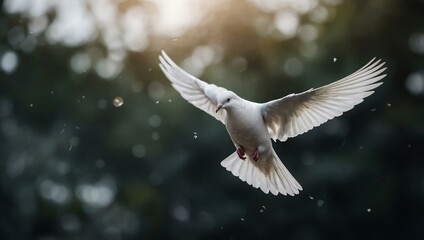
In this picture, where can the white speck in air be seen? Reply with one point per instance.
(334, 59)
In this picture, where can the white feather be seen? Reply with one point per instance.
(252, 125)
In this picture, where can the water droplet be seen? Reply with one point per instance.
(389, 104)
(310, 197)
(320, 203)
(195, 135)
(262, 209)
(157, 102)
(170, 100)
(373, 109)
(51, 92)
(31, 105)
(83, 96)
(369, 210)
(150, 69)
(118, 101)
(334, 59)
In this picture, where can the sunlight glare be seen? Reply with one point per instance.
(177, 16)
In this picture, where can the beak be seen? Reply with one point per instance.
(219, 108)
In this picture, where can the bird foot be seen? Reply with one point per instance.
(240, 153)
(256, 155)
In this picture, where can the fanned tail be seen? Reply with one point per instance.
(270, 175)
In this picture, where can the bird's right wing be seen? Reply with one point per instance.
(199, 93)
(298, 113)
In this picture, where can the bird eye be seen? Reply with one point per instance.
(228, 99)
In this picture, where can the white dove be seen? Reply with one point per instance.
(251, 125)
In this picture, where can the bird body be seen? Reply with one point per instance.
(251, 125)
(248, 132)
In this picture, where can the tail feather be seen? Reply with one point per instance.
(273, 177)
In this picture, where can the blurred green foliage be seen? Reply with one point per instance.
(74, 165)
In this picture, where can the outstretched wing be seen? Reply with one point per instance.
(202, 95)
(298, 113)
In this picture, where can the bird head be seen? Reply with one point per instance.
(226, 100)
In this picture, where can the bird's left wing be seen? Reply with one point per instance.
(298, 113)
(199, 93)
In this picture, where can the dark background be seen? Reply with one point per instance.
(75, 166)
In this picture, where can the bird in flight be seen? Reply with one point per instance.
(252, 125)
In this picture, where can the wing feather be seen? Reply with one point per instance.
(298, 113)
(199, 93)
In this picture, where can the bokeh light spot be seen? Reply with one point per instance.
(415, 83)
(155, 120)
(9, 62)
(138, 151)
(156, 90)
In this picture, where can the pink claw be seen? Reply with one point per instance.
(240, 153)
(256, 155)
